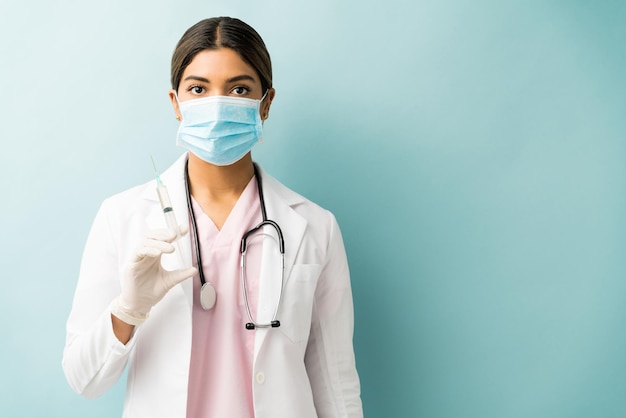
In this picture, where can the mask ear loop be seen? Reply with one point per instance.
(262, 120)
(178, 117)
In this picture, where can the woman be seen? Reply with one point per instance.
(200, 338)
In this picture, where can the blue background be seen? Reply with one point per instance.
(472, 151)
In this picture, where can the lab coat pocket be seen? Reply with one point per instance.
(297, 304)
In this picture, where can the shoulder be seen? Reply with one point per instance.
(131, 198)
(295, 200)
(173, 176)
(301, 217)
(320, 223)
(145, 195)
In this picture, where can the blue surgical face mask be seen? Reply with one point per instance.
(219, 129)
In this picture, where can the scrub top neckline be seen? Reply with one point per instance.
(210, 233)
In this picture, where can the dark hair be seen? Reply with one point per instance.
(222, 32)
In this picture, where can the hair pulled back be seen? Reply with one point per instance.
(222, 32)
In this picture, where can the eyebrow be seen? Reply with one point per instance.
(193, 77)
(230, 80)
(240, 78)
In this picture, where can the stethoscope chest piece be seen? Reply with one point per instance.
(207, 296)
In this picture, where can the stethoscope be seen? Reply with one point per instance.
(208, 295)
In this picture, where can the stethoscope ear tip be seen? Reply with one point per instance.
(249, 325)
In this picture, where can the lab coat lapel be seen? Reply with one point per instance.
(280, 210)
(174, 179)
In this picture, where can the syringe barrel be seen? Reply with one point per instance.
(164, 197)
(166, 205)
(170, 220)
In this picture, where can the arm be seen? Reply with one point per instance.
(119, 284)
(94, 358)
(329, 357)
(122, 330)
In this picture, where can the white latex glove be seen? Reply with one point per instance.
(145, 281)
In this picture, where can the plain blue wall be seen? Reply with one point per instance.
(473, 152)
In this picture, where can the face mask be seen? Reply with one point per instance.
(219, 129)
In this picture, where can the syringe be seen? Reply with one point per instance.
(168, 212)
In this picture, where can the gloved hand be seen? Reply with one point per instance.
(145, 281)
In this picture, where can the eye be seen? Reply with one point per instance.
(240, 90)
(196, 89)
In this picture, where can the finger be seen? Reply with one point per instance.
(153, 248)
(164, 234)
(183, 228)
(175, 277)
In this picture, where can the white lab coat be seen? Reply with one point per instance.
(304, 369)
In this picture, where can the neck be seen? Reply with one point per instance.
(212, 182)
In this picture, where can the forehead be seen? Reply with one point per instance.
(218, 64)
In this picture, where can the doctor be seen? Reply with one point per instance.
(136, 306)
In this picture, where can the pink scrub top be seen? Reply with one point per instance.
(220, 372)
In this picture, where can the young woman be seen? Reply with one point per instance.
(245, 308)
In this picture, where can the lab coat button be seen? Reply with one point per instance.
(260, 378)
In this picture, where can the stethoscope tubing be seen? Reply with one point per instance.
(274, 323)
